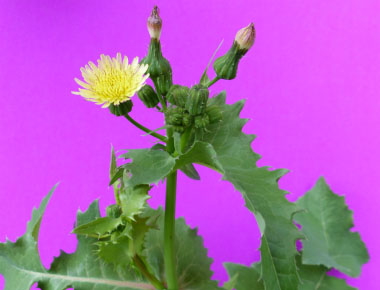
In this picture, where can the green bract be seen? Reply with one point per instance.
(137, 247)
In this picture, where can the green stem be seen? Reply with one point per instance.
(116, 192)
(210, 83)
(142, 267)
(169, 232)
(145, 129)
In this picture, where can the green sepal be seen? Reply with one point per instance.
(122, 109)
(148, 96)
(178, 95)
(214, 114)
(159, 68)
(201, 121)
(226, 66)
(197, 101)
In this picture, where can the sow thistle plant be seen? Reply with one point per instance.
(137, 247)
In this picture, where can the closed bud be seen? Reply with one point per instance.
(245, 37)
(187, 119)
(174, 116)
(178, 128)
(226, 66)
(201, 121)
(178, 95)
(159, 68)
(154, 24)
(148, 96)
(122, 109)
(214, 113)
(113, 211)
(197, 101)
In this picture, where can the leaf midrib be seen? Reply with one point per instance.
(130, 284)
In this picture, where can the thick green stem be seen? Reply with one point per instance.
(145, 129)
(169, 232)
(142, 267)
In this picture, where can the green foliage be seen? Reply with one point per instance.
(312, 277)
(98, 228)
(193, 264)
(133, 200)
(21, 266)
(148, 166)
(326, 224)
(190, 171)
(315, 278)
(136, 247)
(244, 277)
(261, 193)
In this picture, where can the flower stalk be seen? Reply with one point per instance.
(169, 232)
(145, 129)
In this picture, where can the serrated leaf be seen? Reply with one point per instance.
(116, 252)
(316, 278)
(193, 264)
(99, 227)
(148, 166)
(201, 153)
(326, 224)
(312, 277)
(259, 187)
(133, 200)
(245, 278)
(190, 171)
(21, 266)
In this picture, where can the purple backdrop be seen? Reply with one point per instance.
(312, 87)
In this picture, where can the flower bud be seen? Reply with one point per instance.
(174, 116)
(245, 37)
(187, 119)
(197, 101)
(178, 95)
(122, 109)
(214, 113)
(154, 24)
(113, 211)
(226, 66)
(159, 68)
(148, 96)
(201, 121)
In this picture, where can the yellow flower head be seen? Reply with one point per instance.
(113, 81)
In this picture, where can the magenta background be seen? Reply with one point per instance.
(312, 87)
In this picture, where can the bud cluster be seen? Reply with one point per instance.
(189, 107)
